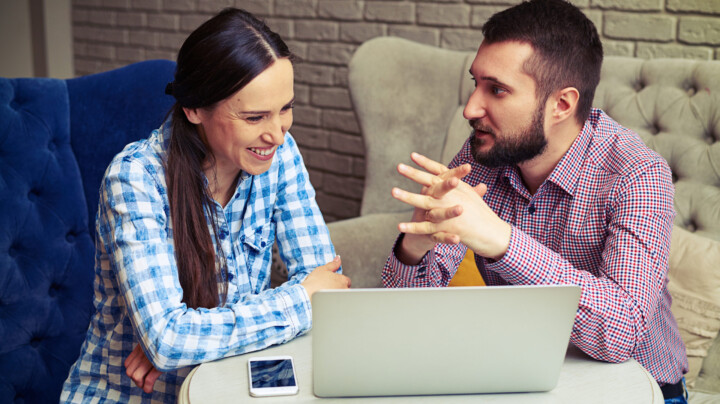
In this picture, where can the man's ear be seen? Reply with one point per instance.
(564, 103)
(193, 115)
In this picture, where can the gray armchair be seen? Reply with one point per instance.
(409, 97)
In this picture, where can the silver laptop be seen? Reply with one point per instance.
(419, 341)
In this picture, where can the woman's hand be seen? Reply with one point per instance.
(326, 277)
(141, 370)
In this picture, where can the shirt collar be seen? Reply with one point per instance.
(164, 133)
(511, 175)
(566, 173)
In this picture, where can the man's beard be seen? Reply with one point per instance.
(511, 148)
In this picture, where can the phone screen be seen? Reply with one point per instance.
(272, 373)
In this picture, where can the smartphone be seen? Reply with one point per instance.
(272, 376)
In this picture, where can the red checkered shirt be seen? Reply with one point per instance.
(601, 220)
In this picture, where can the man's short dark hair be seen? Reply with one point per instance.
(567, 48)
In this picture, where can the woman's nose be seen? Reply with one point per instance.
(275, 133)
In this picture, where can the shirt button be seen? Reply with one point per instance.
(531, 209)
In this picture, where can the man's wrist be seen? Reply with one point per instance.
(405, 252)
(503, 243)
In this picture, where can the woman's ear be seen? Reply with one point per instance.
(565, 104)
(193, 115)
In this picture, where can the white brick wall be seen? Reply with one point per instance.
(325, 33)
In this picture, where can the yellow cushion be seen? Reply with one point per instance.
(468, 273)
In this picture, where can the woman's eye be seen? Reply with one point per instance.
(257, 118)
(288, 107)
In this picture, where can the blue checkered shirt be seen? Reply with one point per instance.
(138, 297)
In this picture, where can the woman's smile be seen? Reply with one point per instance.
(263, 153)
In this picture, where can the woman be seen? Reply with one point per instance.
(187, 219)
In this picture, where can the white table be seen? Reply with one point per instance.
(582, 380)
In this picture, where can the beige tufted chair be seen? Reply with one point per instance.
(409, 97)
(674, 105)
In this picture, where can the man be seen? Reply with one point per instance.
(552, 192)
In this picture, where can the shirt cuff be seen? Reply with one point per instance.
(399, 274)
(526, 261)
(298, 312)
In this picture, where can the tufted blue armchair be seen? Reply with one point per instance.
(56, 139)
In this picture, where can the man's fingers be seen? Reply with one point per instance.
(438, 215)
(438, 169)
(429, 228)
(433, 181)
(419, 201)
(458, 172)
(481, 189)
(421, 177)
(426, 228)
(439, 190)
(446, 238)
(428, 164)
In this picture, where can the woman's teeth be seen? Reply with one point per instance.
(262, 152)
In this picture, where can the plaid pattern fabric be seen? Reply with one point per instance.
(137, 292)
(602, 220)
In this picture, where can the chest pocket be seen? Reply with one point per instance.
(258, 240)
(257, 246)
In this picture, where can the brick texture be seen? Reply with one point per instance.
(444, 15)
(699, 30)
(639, 26)
(325, 33)
(701, 6)
(654, 50)
(637, 5)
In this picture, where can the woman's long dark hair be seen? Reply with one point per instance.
(219, 58)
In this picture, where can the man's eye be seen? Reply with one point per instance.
(288, 107)
(498, 90)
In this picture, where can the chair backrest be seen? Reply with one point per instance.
(404, 95)
(56, 139)
(674, 105)
(111, 109)
(410, 97)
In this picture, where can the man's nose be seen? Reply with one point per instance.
(475, 106)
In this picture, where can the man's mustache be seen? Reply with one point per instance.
(480, 127)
